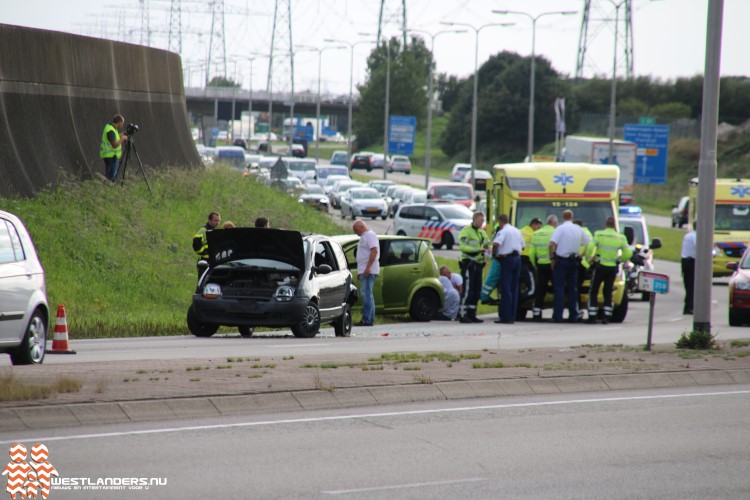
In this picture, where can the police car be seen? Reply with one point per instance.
(643, 258)
(438, 222)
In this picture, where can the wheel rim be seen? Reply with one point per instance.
(37, 339)
(311, 320)
(348, 322)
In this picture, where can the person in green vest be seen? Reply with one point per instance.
(475, 246)
(540, 260)
(200, 241)
(584, 265)
(110, 148)
(609, 249)
(527, 271)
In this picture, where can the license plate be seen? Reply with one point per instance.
(373, 210)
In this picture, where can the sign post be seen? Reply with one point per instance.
(401, 134)
(651, 155)
(653, 283)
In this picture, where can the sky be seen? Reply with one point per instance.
(669, 36)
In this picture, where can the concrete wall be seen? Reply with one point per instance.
(58, 90)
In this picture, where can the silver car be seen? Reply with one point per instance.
(363, 202)
(24, 312)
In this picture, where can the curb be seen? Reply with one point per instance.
(76, 415)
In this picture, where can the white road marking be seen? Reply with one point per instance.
(402, 486)
(368, 415)
(675, 319)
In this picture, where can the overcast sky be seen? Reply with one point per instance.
(669, 35)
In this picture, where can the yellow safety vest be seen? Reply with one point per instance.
(472, 243)
(105, 149)
(539, 248)
(609, 243)
(527, 232)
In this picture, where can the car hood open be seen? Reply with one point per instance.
(225, 245)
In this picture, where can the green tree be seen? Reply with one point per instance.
(221, 81)
(502, 109)
(408, 88)
(447, 87)
(671, 110)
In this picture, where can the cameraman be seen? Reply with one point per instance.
(110, 149)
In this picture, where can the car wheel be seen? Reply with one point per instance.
(384, 217)
(619, 312)
(447, 240)
(734, 319)
(34, 344)
(197, 328)
(424, 305)
(343, 325)
(246, 331)
(437, 246)
(401, 232)
(343, 215)
(674, 224)
(310, 324)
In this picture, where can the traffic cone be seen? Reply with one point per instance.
(60, 338)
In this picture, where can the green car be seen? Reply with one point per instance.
(409, 279)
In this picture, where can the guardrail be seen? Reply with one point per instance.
(262, 95)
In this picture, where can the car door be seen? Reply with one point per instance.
(400, 269)
(331, 285)
(350, 251)
(415, 221)
(16, 284)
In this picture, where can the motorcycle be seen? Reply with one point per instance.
(640, 261)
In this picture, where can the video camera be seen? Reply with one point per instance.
(131, 129)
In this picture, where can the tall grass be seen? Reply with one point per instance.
(121, 260)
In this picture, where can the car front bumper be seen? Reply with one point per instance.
(249, 312)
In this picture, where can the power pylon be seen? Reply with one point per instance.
(217, 49)
(175, 27)
(593, 25)
(145, 20)
(281, 58)
(390, 13)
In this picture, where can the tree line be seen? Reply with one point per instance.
(503, 100)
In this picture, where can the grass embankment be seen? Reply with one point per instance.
(121, 260)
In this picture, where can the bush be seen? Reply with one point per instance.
(700, 340)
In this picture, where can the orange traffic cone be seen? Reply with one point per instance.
(60, 338)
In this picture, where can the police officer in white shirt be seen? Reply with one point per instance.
(688, 269)
(506, 248)
(565, 243)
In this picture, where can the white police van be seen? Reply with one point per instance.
(438, 222)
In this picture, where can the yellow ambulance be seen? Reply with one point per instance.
(528, 190)
(731, 221)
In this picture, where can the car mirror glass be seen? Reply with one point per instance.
(323, 269)
(655, 243)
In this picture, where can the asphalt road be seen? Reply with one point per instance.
(667, 444)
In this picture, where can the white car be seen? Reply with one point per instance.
(458, 171)
(24, 312)
(438, 222)
(303, 169)
(331, 181)
(399, 163)
(363, 202)
(339, 189)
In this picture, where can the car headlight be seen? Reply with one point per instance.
(301, 200)
(472, 207)
(212, 291)
(284, 293)
(742, 285)
(324, 199)
(716, 251)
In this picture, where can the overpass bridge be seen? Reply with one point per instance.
(222, 103)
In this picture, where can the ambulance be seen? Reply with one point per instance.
(731, 221)
(528, 190)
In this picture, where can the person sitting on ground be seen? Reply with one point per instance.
(452, 301)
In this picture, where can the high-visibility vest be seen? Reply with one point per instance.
(608, 244)
(586, 249)
(201, 242)
(539, 248)
(472, 243)
(527, 232)
(105, 149)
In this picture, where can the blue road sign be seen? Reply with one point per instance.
(401, 133)
(651, 155)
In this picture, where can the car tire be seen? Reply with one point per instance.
(246, 331)
(197, 328)
(437, 246)
(734, 318)
(34, 344)
(620, 311)
(424, 305)
(674, 224)
(447, 240)
(309, 326)
(401, 232)
(343, 324)
(384, 217)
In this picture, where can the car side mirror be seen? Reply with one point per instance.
(202, 266)
(477, 199)
(629, 235)
(322, 269)
(429, 196)
(655, 243)
(732, 266)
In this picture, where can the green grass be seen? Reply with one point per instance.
(671, 241)
(121, 260)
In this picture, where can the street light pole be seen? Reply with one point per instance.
(351, 85)
(532, 83)
(473, 159)
(387, 109)
(428, 152)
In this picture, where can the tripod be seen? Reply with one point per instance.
(131, 145)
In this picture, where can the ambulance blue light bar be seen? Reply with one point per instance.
(630, 210)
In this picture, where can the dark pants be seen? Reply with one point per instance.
(565, 285)
(688, 277)
(543, 277)
(471, 272)
(111, 166)
(509, 280)
(527, 278)
(606, 275)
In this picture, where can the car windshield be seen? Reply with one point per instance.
(732, 218)
(333, 179)
(745, 264)
(346, 187)
(324, 172)
(302, 166)
(455, 212)
(339, 157)
(419, 198)
(258, 264)
(313, 190)
(365, 194)
(380, 186)
(593, 213)
(637, 226)
(400, 160)
(453, 192)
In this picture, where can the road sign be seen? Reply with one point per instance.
(401, 133)
(653, 282)
(651, 155)
(647, 120)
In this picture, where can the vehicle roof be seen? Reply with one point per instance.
(442, 184)
(555, 168)
(345, 239)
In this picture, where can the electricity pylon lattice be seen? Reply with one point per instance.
(598, 15)
(392, 14)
